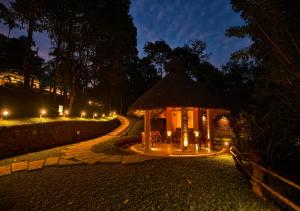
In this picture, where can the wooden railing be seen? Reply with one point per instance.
(256, 176)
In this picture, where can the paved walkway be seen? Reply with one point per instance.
(79, 153)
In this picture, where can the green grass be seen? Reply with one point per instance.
(135, 128)
(109, 147)
(37, 120)
(165, 184)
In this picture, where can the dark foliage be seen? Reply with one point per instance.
(273, 121)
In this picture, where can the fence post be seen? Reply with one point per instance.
(259, 175)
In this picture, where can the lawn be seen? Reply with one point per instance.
(163, 184)
(37, 120)
(172, 184)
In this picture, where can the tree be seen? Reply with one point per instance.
(94, 44)
(13, 51)
(273, 26)
(29, 13)
(7, 16)
(159, 52)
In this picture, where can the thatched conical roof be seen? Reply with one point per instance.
(176, 90)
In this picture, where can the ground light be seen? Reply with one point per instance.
(82, 114)
(95, 115)
(4, 114)
(103, 115)
(43, 112)
(66, 112)
(226, 143)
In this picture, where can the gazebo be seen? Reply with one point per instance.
(179, 115)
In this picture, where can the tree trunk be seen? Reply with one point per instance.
(27, 59)
(8, 33)
(57, 65)
(73, 93)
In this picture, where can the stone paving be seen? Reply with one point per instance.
(79, 153)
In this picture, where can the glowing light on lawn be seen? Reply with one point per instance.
(43, 112)
(82, 114)
(95, 115)
(5, 113)
(169, 133)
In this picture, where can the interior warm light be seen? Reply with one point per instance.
(169, 133)
(185, 142)
(197, 147)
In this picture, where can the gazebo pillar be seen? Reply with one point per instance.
(196, 128)
(147, 129)
(210, 125)
(184, 127)
(168, 124)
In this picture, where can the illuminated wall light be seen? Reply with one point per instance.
(226, 143)
(196, 134)
(203, 118)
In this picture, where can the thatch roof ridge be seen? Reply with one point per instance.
(176, 90)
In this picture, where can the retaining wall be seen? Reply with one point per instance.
(20, 139)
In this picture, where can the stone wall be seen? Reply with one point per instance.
(16, 140)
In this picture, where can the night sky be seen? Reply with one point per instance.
(177, 22)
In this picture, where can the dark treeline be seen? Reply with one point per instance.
(93, 46)
(269, 125)
(94, 54)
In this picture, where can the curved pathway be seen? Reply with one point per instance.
(79, 153)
